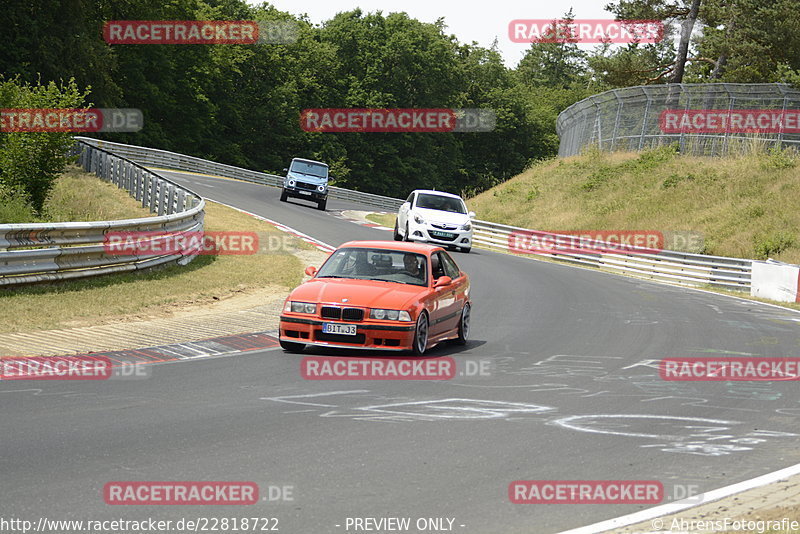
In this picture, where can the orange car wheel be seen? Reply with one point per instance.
(463, 325)
(420, 343)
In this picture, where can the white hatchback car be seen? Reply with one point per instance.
(435, 217)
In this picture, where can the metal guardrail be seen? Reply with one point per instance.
(34, 252)
(666, 266)
(154, 157)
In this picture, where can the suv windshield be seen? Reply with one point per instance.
(438, 202)
(376, 264)
(312, 169)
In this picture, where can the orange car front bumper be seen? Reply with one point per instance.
(376, 335)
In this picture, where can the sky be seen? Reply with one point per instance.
(468, 21)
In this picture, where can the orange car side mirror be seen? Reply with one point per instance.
(443, 281)
(311, 270)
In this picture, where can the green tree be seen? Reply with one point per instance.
(554, 59)
(683, 12)
(748, 40)
(30, 162)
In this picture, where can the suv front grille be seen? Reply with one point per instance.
(303, 185)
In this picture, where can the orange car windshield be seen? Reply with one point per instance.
(377, 264)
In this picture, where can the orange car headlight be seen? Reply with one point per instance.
(391, 315)
(300, 307)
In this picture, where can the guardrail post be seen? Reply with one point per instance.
(127, 176)
(181, 200)
(170, 207)
(118, 176)
(137, 183)
(161, 200)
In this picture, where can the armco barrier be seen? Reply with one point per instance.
(154, 157)
(59, 251)
(666, 266)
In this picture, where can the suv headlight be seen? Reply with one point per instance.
(299, 307)
(321, 188)
(389, 315)
(291, 183)
(418, 219)
(467, 226)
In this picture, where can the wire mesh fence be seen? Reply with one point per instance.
(633, 118)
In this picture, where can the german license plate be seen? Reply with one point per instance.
(304, 192)
(444, 235)
(338, 328)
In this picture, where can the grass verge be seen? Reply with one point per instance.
(744, 206)
(156, 293)
(384, 219)
(81, 196)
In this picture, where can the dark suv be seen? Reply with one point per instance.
(306, 179)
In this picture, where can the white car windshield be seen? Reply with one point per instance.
(376, 264)
(441, 203)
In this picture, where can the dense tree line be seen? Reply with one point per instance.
(240, 104)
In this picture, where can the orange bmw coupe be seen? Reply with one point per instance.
(379, 295)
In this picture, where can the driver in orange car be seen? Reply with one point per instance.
(411, 265)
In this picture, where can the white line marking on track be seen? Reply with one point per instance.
(313, 395)
(695, 500)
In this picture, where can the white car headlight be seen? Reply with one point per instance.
(300, 307)
(291, 183)
(320, 188)
(467, 226)
(391, 315)
(418, 219)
